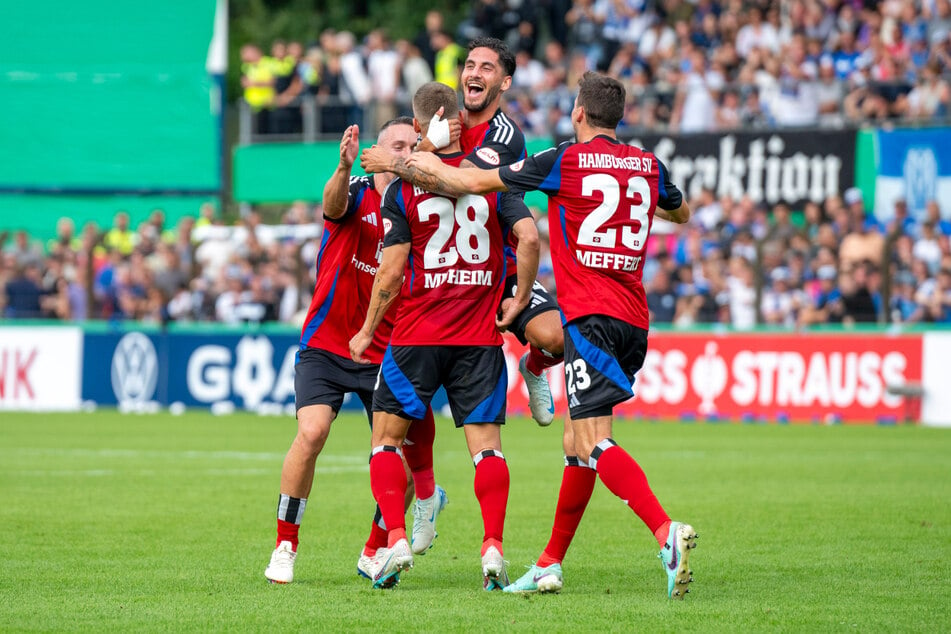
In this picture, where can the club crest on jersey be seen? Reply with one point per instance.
(517, 165)
(387, 225)
(488, 155)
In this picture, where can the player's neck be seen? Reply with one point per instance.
(473, 119)
(585, 133)
(452, 148)
(382, 181)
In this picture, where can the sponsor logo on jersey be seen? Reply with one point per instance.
(488, 155)
(363, 266)
(517, 165)
(387, 225)
(371, 218)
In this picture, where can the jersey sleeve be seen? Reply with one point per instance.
(668, 196)
(355, 192)
(512, 209)
(504, 144)
(541, 171)
(395, 224)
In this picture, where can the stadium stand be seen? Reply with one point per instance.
(689, 67)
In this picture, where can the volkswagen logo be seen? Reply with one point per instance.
(134, 369)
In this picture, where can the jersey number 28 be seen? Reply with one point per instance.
(472, 238)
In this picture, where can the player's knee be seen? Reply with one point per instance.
(548, 336)
(312, 432)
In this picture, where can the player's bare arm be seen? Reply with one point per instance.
(526, 259)
(456, 179)
(679, 215)
(375, 160)
(337, 187)
(386, 288)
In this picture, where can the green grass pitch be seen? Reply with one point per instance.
(114, 522)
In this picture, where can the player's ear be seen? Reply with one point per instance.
(579, 114)
(506, 83)
(416, 126)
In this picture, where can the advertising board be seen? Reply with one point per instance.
(40, 368)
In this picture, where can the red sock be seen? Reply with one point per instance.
(662, 533)
(492, 490)
(624, 478)
(577, 484)
(418, 451)
(287, 532)
(538, 361)
(489, 543)
(378, 535)
(388, 483)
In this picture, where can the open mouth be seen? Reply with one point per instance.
(474, 90)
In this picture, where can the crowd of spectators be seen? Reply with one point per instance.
(735, 263)
(688, 65)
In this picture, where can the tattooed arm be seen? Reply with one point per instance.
(376, 160)
(386, 288)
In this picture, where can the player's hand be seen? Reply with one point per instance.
(508, 311)
(375, 160)
(349, 146)
(358, 345)
(455, 129)
(426, 162)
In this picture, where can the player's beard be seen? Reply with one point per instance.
(488, 96)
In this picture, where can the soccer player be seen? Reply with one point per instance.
(349, 254)
(603, 197)
(490, 139)
(447, 255)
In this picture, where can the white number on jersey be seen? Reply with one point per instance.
(590, 233)
(470, 230)
(577, 376)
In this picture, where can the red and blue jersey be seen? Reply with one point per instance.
(349, 255)
(601, 201)
(456, 267)
(493, 143)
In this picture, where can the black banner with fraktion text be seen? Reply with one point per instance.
(769, 166)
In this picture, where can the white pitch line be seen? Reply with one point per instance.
(70, 473)
(189, 454)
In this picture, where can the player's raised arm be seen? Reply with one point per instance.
(337, 187)
(455, 179)
(386, 288)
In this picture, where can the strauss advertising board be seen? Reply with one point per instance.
(804, 377)
(763, 377)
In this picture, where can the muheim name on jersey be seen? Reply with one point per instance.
(459, 277)
(601, 160)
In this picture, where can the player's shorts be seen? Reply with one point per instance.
(324, 378)
(541, 302)
(602, 355)
(475, 379)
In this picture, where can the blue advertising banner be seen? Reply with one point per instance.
(144, 370)
(914, 165)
